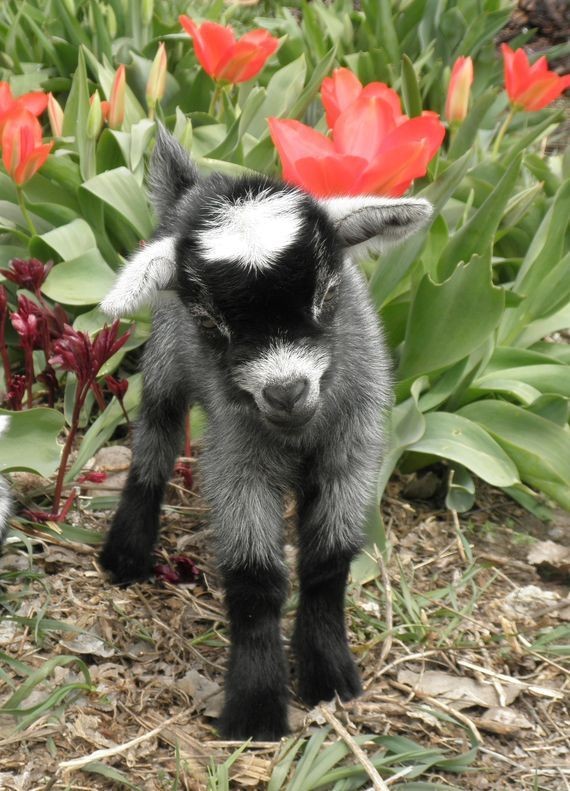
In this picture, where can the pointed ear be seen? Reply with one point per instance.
(147, 272)
(172, 172)
(371, 224)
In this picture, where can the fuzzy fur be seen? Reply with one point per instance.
(296, 317)
(5, 496)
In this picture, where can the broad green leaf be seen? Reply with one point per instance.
(539, 448)
(549, 378)
(283, 90)
(124, 197)
(540, 328)
(75, 118)
(447, 321)
(84, 280)
(67, 241)
(476, 236)
(31, 441)
(452, 436)
(467, 132)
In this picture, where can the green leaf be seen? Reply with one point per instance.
(477, 235)
(394, 265)
(65, 242)
(461, 490)
(453, 436)
(75, 118)
(447, 321)
(539, 448)
(410, 88)
(124, 198)
(112, 774)
(468, 130)
(84, 280)
(31, 441)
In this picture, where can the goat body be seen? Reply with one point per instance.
(261, 316)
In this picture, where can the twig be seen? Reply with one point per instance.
(387, 645)
(456, 715)
(546, 692)
(78, 763)
(377, 783)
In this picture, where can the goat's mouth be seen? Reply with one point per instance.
(289, 423)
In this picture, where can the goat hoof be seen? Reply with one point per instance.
(125, 567)
(262, 724)
(328, 680)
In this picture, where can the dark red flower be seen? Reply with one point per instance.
(183, 469)
(178, 571)
(117, 387)
(27, 273)
(28, 321)
(16, 392)
(77, 353)
(3, 302)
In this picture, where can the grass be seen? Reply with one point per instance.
(95, 690)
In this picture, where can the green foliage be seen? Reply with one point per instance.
(467, 303)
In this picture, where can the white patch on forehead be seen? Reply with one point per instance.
(281, 363)
(254, 230)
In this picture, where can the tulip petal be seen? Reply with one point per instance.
(211, 43)
(293, 141)
(338, 92)
(6, 99)
(29, 166)
(330, 175)
(35, 102)
(543, 91)
(247, 57)
(382, 91)
(361, 128)
(393, 174)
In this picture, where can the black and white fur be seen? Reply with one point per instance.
(261, 316)
(5, 497)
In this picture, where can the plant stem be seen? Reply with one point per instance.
(80, 395)
(25, 213)
(187, 437)
(5, 358)
(98, 396)
(215, 96)
(121, 402)
(29, 363)
(502, 131)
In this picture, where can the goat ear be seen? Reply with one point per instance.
(172, 172)
(147, 272)
(371, 223)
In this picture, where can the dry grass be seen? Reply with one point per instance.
(103, 687)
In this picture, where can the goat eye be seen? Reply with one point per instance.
(330, 294)
(207, 323)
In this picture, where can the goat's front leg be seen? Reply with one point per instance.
(332, 506)
(247, 505)
(127, 553)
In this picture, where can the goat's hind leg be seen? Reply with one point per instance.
(127, 553)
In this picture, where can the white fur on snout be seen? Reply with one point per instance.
(252, 231)
(283, 362)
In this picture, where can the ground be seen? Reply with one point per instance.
(460, 652)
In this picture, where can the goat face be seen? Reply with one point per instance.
(259, 268)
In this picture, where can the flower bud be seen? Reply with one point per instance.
(95, 118)
(117, 99)
(55, 115)
(459, 90)
(157, 78)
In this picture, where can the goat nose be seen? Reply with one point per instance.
(286, 396)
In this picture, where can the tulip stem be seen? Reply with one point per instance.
(215, 98)
(502, 131)
(25, 213)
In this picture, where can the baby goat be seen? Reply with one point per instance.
(261, 317)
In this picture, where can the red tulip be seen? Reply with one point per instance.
(343, 88)
(22, 150)
(459, 90)
(531, 87)
(35, 102)
(226, 58)
(373, 149)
